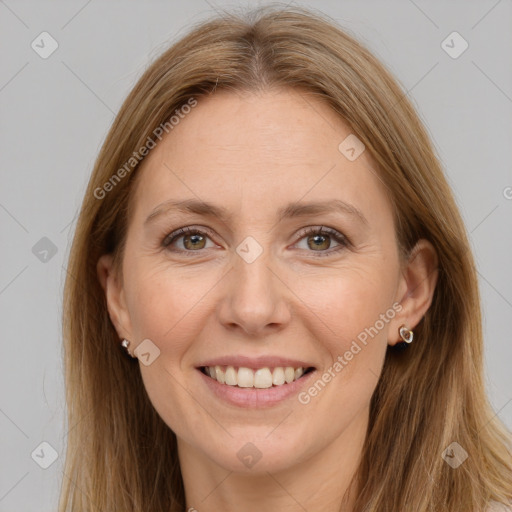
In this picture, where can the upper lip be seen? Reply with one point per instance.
(255, 362)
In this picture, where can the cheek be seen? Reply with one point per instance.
(352, 312)
(348, 300)
(349, 328)
(163, 302)
(165, 306)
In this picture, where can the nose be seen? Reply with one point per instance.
(256, 300)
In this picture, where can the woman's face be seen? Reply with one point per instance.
(257, 290)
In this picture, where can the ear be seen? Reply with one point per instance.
(114, 294)
(416, 288)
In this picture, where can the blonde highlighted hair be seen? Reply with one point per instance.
(120, 453)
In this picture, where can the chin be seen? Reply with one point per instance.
(255, 451)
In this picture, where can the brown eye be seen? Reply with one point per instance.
(193, 240)
(319, 242)
(320, 239)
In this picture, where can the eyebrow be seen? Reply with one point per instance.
(292, 210)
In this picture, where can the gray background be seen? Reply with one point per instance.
(55, 113)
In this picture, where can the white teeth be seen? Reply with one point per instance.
(219, 375)
(289, 374)
(231, 379)
(262, 378)
(248, 378)
(245, 377)
(278, 376)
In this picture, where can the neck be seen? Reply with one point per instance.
(323, 482)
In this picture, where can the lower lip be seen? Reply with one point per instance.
(255, 397)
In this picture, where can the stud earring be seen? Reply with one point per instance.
(406, 334)
(125, 343)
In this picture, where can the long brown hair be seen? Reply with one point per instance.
(120, 453)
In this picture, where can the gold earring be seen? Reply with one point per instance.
(406, 334)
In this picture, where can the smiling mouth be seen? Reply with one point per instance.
(261, 378)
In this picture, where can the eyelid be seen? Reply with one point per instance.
(183, 231)
(343, 241)
(338, 236)
(177, 233)
(324, 230)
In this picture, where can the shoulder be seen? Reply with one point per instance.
(494, 506)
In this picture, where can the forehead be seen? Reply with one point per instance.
(258, 149)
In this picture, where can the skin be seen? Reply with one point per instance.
(253, 153)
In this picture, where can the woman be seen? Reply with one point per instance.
(271, 301)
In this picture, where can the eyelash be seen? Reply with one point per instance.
(190, 230)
